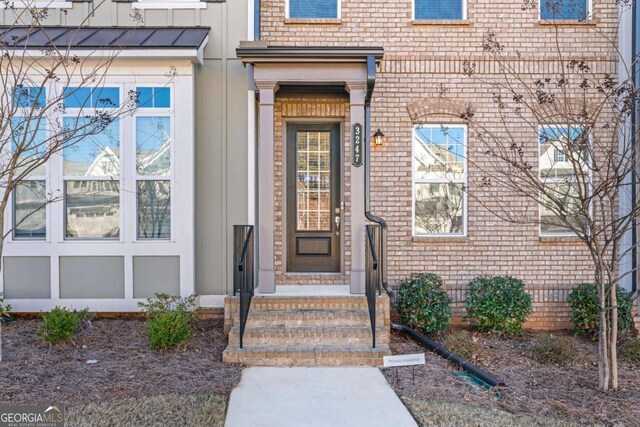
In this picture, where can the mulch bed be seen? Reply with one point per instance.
(32, 372)
(568, 392)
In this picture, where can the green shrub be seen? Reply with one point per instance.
(629, 350)
(168, 320)
(61, 323)
(423, 304)
(550, 349)
(585, 311)
(462, 343)
(498, 304)
(5, 310)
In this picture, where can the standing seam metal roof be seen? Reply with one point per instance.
(103, 37)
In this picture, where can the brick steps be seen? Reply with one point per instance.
(325, 355)
(314, 335)
(307, 331)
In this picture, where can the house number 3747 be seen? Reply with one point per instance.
(356, 148)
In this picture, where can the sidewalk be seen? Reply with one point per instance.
(332, 397)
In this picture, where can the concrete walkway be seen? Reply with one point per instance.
(313, 397)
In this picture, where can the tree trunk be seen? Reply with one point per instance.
(613, 337)
(603, 336)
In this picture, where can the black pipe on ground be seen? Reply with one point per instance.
(450, 356)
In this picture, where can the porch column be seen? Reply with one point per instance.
(266, 270)
(357, 92)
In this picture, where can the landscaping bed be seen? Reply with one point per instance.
(33, 372)
(539, 390)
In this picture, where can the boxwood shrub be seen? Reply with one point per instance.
(498, 304)
(60, 324)
(422, 303)
(585, 312)
(168, 320)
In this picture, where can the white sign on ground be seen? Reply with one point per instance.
(404, 360)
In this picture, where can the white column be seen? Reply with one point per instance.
(266, 268)
(357, 92)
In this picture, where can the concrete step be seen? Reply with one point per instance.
(314, 335)
(305, 355)
(297, 318)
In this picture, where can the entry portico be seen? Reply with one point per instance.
(310, 211)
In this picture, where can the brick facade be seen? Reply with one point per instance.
(421, 62)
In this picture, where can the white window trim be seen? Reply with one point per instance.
(182, 194)
(22, 4)
(338, 14)
(463, 180)
(168, 4)
(413, 13)
(554, 180)
(589, 12)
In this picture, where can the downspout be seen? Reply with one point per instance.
(635, 119)
(371, 83)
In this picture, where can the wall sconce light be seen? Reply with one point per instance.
(378, 137)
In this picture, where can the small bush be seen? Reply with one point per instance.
(423, 304)
(462, 343)
(550, 349)
(585, 311)
(168, 320)
(629, 351)
(61, 323)
(498, 304)
(5, 310)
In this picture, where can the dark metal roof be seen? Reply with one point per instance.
(261, 53)
(104, 37)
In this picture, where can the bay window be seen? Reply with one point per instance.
(439, 178)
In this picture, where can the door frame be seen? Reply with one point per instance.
(283, 209)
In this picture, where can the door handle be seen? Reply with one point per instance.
(337, 221)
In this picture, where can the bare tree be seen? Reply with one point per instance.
(561, 140)
(52, 98)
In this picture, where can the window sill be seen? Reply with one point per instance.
(169, 5)
(455, 240)
(566, 23)
(442, 22)
(37, 5)
(313, 21)
(560, 240)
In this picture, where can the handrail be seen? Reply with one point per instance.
(373, 273)
(243, 280)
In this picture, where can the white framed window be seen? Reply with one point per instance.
(313, 9)
(557, 145)
(41, 4)
(439, 180)
(29, 135)
(573, 10)
(439, 9)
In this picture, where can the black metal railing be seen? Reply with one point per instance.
(373, 272)
(243, 267)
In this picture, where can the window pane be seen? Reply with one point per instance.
(153, 145)
(85, 97)
(92, 209)
(29, 200)
(31, 141)
(563, 9)
(314, 180)
(438, 153)
(561, 200)
(313, 8)
(77, 97)
(94, 154)
(562, 148)
(154, 97)
(27, 97)
(154, 209)
(439, 209)
(438, 9)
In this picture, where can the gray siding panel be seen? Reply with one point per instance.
(92, 277)
(27, 277)
(156, 274)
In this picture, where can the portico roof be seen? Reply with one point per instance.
(254, 52)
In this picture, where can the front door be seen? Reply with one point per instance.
(313, 198)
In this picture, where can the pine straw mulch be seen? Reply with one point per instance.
(32, 372)
(568, 392)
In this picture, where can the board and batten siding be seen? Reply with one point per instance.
(220, 111)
